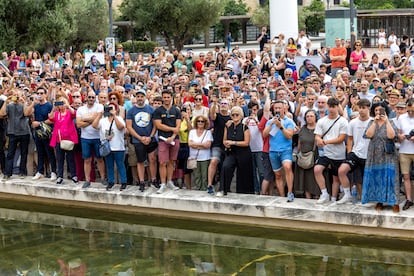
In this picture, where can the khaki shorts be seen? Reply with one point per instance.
(405, 162)
(132, 157)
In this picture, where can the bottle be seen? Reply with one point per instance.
(354, 193)
(321, 152)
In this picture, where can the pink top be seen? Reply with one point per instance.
(66, 126)
(356, 58)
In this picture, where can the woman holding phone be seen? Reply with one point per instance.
(381, 175)
(63, 115)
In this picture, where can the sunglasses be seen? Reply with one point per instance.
(91, 97)
(198, 100)
(113, 98)
(358, 45)
(40, 93)
(76, 96)
(235, 115)
(200, 121)
(224, 103)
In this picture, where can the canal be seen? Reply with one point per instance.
(49, 240)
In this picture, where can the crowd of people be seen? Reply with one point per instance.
(185, 120)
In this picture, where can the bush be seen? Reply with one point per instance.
(139, 46)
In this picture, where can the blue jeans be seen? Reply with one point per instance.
(118, 158)
(258, 170)
(60, 154)
(43, 149)
(23, 141)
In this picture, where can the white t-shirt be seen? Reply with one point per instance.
(356, 129)
(117, 141)
(405, 124)
(304, 42)
(203, 154)
(332, 151)
(84, 112)
(256, 138)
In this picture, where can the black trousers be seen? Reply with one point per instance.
(242, 160)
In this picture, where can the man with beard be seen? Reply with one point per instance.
(90, 138)
(140, 127)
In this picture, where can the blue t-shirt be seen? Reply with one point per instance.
(278, 142)
(141, 118)
(41, 111)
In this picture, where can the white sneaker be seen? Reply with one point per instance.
(219, 194)
(171, 185)
(323, 199)
(162, 189)
(346, 198)
(53, 176)
(37, 176)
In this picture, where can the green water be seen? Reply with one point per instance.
(43, 240)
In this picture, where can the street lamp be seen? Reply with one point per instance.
(110, 18)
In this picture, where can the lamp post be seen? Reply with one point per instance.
(110, 18)
(352, 17)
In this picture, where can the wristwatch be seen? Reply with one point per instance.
(281, 128)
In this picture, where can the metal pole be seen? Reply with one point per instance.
(352, 16)
(110, 18)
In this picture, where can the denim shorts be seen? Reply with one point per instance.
(278, 157)
(89, 145)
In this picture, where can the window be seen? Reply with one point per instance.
(337, 2)
(300, 2)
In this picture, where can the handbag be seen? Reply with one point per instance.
(192, 161)
(105, 146)
(306, 160)
(389, 146)
(66, 144)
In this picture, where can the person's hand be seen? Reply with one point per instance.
(228, 123)
(276, 122)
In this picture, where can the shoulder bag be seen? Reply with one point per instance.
(192, 161)
(65, 144)
(105, 147)
(306, 160)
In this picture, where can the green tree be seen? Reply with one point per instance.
(260, 16)
(383, 4)
(232, 7)
(176, 21)
(314, 17)
(47, 24)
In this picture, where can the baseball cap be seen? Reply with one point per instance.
(194, 82)
(141, 91)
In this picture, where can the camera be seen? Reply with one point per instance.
(411, 134)
(277, 115)
(59, 103)
(107, 110)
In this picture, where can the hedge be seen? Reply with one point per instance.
(139, 46)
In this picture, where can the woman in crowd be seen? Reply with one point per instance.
(63, 115)
(238, 155)
(117, 98)
(200, 140)
(181, 173)
(220, 62)
(112, 128)
(381, 180)
(358, 57)
(304, 179)
(199, 108)
(36, 62)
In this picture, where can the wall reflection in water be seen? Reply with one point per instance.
(45, 244)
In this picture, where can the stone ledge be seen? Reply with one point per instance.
(234, 208)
